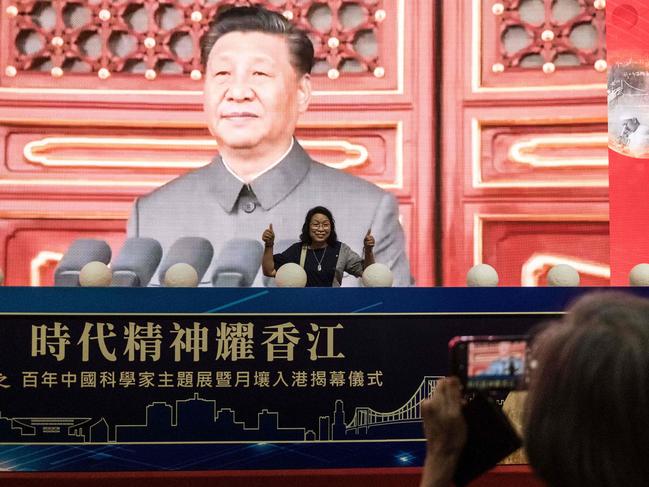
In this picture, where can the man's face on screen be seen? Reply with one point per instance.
(253, 95)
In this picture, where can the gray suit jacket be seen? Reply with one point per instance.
(211, 203)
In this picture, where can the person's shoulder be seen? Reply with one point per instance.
(293, 251)
(187, 184)
(346, 249)
(352, 261)
(336, 177)
(294, 247)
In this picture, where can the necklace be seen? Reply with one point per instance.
(321, 258)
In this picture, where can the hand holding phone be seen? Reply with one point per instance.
(487, 366)
(445, 429)
(490, 437)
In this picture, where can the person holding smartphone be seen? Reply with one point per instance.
(586, 421)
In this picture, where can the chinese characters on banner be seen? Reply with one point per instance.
(197, 342)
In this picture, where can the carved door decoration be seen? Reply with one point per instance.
(524, 138)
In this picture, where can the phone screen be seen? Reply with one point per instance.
(499, 364)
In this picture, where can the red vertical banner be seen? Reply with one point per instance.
(627, 38)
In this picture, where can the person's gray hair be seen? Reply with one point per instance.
(587, 420)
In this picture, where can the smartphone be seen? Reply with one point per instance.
(490, 363)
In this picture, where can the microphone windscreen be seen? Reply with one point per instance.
(238, 263)
(81, 252)
(136, 262)
(195, 251)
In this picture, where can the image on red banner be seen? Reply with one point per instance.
(628, 79)
(628, 99)
(501, 359)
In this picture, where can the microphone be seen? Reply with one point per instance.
(194, 251)
(238, 263)
(136, 262)
(81, 252)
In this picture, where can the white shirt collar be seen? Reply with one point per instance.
(268, 168)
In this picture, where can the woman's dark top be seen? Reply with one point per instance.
(314, 277)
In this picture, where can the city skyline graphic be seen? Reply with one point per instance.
(197, 419)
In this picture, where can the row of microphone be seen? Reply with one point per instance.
(137, 262)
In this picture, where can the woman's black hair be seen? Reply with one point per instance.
(305, 236)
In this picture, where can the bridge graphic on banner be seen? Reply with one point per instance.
(411, 410)
(368, 422)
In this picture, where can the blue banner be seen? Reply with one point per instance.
(100, 392)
